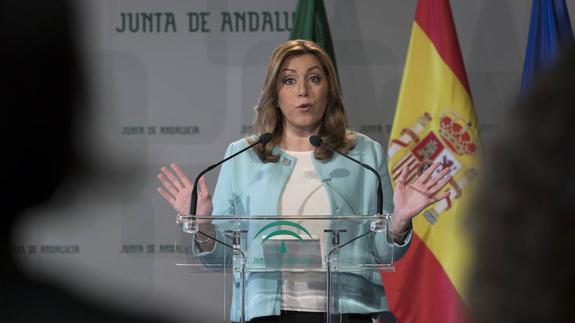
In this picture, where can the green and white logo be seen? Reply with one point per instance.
(282, 230)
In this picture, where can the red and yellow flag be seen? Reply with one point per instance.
(434, 122)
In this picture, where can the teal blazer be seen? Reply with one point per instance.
(247, 186)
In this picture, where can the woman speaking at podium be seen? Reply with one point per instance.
(301, 97)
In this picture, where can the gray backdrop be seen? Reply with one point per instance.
(180, 85)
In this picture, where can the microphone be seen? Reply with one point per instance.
(317, 142)
(263, 139)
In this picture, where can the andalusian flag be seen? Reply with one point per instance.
(549, 32)
(434, 122)
(310, 23)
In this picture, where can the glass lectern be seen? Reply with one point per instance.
(330, 264)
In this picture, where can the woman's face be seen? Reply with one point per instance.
(302, 93)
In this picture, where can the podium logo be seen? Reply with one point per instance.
(282, 227)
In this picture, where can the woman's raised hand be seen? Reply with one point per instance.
(410, 199)
(177, 189)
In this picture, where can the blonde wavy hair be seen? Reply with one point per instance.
(334, 129)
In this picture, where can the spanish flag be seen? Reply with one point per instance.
(434, 122)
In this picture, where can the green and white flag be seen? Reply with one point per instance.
(311, 24)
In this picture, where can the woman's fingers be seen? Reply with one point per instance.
(172, 178)
(439, 176)
(168, 185)
(426, 176)
(176, 189)
(181, 175)
(169, 198)
(402, 178)
(441, 196)
(439, 185)
(429, 184)
(204, 187)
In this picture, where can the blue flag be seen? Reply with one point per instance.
(549, 32)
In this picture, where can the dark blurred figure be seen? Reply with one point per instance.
(43, 98)
(523, 227)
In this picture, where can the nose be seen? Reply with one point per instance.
(302, 89)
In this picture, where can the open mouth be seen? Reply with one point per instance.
(304, 107)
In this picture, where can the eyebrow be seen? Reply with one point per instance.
(292, 70)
